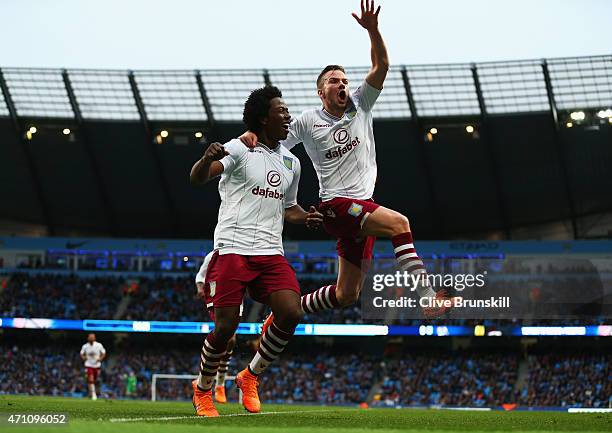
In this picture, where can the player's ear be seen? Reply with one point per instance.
(320, 93)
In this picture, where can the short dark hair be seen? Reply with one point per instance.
(257, 106)
(325, 71)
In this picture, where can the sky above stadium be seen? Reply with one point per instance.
(179, 34)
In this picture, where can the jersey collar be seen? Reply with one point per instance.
(326, 114)
(275, 150)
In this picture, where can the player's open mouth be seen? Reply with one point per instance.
(342, 95)
(286, 126)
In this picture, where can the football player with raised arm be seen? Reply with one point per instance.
(339, 139)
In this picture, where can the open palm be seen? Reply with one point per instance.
(369, 18)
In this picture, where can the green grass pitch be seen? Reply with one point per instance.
(142, 416)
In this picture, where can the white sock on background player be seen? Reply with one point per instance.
(223, 365)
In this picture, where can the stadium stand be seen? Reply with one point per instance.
(167, 298)
(451, 379)
(444, 378)
(568, 379)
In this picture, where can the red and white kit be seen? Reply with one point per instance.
(256, 187)
(93, 352)
(343, 153)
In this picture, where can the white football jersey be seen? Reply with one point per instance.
(93, 352)
(256, 187)
(342, 150)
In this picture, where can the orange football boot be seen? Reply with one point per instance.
(220, 394)
(202, 401)
(247, 382)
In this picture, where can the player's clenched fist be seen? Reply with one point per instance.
(314, 218)
(215, 152)
(207, 167)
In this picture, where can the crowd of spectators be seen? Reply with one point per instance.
(435, 378)
(41, 371)
(169, 298)
(451, 379)
(569, 380)
(165, 298)
(60, 296)
(324, 378)
(321, 378)
(73, 297)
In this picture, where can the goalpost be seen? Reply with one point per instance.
(190, 377)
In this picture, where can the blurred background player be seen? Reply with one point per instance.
(258, 190)
(339, 139)
(93, 353)
(204, 293)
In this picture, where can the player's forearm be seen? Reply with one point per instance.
(200, 172)
(296, 215)
(380, 59)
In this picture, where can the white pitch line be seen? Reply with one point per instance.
(589, 410)
(171, 418)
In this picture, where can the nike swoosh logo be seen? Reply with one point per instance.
(73, 245)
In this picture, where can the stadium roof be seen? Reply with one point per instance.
(462, 149)
(437, 90)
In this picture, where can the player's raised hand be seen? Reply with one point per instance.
(369, 18)
(249, 139)
(215, 152)
(314, 218)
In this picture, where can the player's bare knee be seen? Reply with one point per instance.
(295, 316)
(224, 332)
(290, 318)
(400, 224)
(346, 297)
(298, 315)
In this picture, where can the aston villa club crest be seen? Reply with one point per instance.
(288, 162)
(355, 210)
